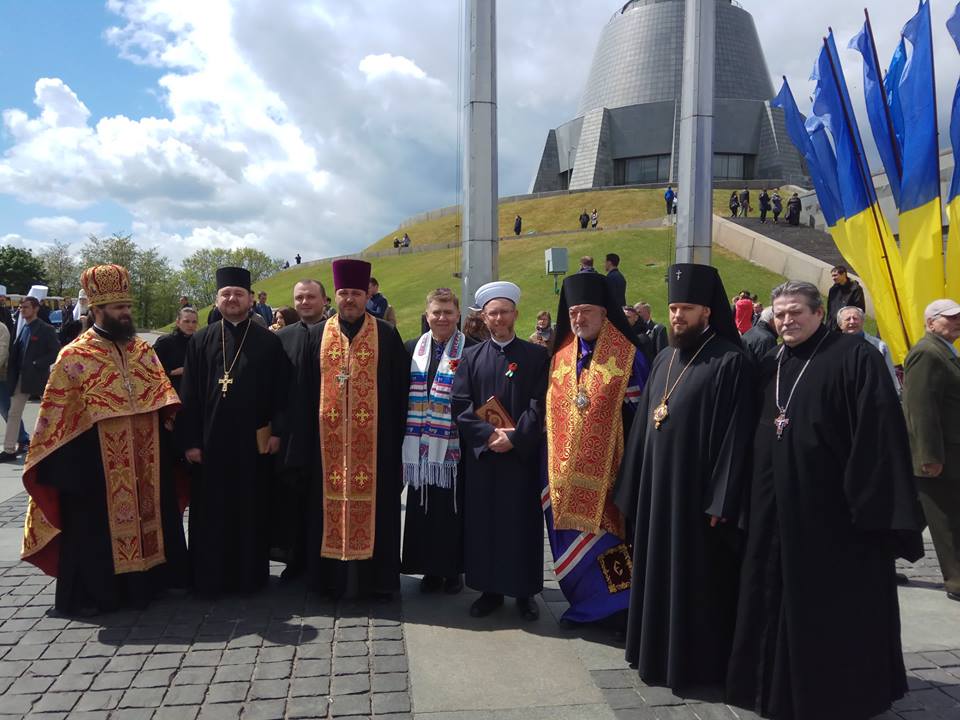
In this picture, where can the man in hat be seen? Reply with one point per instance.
(290, 495)
(432, 459)
(931, 390)
(503, 526)
(596, 376)
(354, 537)
(832, 505)
(31, 355)
(682, 482)
(103, 516)
(234, 395)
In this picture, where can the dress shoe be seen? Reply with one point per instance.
(7, 457)
(902, 579)
(485, 604)
(452, 585)
(431, 584)
(954, 596)
(528, 608)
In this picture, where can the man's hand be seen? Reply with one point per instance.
(932, 469)
(715, 520)
(168, 424)
(194, 455)
(176, 373)
(273, 445)
(500, 442)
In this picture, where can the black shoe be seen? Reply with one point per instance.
(452, 585)
(7, 457)
(954, 596)
(485, 604)
(23, 448)
(528, 608)
(902, 579)
(431, 584)
(291, 573)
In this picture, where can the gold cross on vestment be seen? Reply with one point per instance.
(561, 370)
(335, 353)
(225, 382)
(362, 354)
(609, 369)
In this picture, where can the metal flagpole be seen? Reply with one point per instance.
(480, 226)
(883, 96)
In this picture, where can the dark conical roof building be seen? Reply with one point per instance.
(628, 123)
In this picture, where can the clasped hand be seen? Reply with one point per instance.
(499, 441)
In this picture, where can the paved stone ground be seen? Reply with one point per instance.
(13, 511)
(283, 653)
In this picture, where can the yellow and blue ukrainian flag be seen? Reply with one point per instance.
(867, 237)
(953, 196)
(921, 224)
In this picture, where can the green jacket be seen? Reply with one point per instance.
(931, 402)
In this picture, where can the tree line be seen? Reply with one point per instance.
(157, 285)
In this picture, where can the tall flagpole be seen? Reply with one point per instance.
(898, 161)
(871, 191)
(480, 226)
(695, 172)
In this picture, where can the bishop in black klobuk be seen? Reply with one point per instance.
(832, 505)
(232, 388)
(683, 479)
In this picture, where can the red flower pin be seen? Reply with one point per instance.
(511, 369)
(454, 364)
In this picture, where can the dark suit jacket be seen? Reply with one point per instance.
(931, 402)
(33, 368)
(618, 286)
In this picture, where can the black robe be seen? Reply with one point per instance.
(85, 578)
(832, 505)
(503, 519)
(433, 521)
(380, 573)
(683, 597)
(230, 489)
(290, 492)
(171, 350)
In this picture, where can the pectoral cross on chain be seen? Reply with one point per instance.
(225, 382)
(781, 422)
(342, 378)
(679, 273)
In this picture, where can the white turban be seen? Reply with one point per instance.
(493, 290)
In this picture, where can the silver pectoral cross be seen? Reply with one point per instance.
(679, 273)
(781, 422)
(342, 378)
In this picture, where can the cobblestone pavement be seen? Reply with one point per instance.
(933, 677)
(282, 653)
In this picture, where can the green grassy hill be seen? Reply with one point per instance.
(406, 279)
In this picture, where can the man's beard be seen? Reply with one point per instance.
(119, 328)
(689, 338)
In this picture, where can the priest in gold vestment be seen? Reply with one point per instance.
(103, 516)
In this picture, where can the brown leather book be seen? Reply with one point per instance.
(493, 412)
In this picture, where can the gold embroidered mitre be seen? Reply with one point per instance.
(105, 284)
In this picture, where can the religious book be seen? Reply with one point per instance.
(263, 439)
(493, 412)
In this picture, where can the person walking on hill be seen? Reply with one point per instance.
(793, 210)
(594, 219)
(734, 204)
(744, 202)
(584, 220)
(668, 197)
(764, 205)
(517, 225)
(776, 204)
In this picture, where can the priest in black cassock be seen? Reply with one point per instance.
(103, 516)
(233, 392)
(432, 459)
(503, 524)
(683, 481)
(354, 534)
(832, 505)
(290, 493)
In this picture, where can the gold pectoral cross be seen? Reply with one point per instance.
(225, 382)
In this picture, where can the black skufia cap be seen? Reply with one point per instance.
(233, 277)
(589, 288)
(701, 285)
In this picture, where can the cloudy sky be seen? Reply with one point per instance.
(307, 126)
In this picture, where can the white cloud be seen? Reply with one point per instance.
(65, 228)
(376, 67)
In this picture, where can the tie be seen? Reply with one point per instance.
(23, 341)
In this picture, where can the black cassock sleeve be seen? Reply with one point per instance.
(878, 479)
(189, 423)
(528, 435)
(626, 489)
(399, 385)
(277, 373)
(474, 432)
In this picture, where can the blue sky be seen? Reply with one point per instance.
(310, 126)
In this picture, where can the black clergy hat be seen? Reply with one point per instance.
(233, 277)
(589, 288)
(701, 285)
